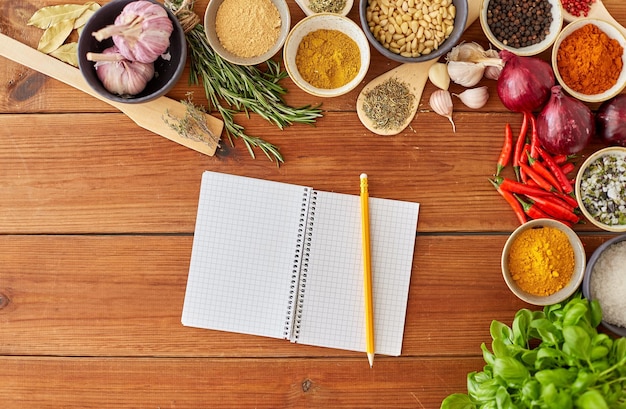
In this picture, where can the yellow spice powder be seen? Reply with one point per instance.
(328, 58)
(247, 28)
(541, 260)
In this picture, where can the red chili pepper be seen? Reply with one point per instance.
(505, 153)
(554, 209)
(534, 212)
(571, 201)
(567, 167)
(560, 159)
(512, 201)
(534, 137)
(566, 186)
(538, 167)
(521, 188)
(544, 184)
(519, 145)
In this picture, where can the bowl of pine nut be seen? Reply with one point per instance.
(412, 31)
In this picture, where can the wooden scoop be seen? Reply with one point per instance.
(148, 115)
(412, 74)
(599, 11)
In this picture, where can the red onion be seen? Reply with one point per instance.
(524, 83)
(565, 125)
(611, 121)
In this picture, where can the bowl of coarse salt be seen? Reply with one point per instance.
(247, 32)
(543, 262)
(605, 281)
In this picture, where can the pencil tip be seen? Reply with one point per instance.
(370, 358)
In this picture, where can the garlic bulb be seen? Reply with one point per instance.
(475, 98)
(119, 75)
(474, 52)
(465, 73)
(141, 31)
(438, 75)
(441, 102)
(492, 72)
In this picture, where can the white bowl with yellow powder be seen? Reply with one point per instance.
(247, 32)
(326, 55)
(543, 262)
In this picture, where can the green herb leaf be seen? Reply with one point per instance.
(591, 399)
(512, 371)
(55, 36)
(457, 401)
(577, 342)
(47, 17)
(67, 53)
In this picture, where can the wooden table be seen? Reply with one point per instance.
(97, 220)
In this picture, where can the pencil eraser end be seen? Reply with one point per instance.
(363, 175)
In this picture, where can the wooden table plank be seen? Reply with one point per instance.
(120, 383)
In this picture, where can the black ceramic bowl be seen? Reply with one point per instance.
(167, 73)
(459, 27)
(587, 279)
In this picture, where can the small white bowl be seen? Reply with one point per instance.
(588, 280)
(555, 28)
(579, 263)
(325, 21)
(616, 150)
(612, 32)
(214, 41)
(304, 5)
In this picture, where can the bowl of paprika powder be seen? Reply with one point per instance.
(588, 60)
(543, 262)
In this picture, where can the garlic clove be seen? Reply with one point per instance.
(438, 75)
(474, 98)
(465, 73)
(441, 102)
(475, 53)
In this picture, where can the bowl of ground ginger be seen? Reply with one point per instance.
(247, 32)
(326, 55)
(543, 262)
(588, 60)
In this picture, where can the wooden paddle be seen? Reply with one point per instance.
(148, 115)
(412, 74)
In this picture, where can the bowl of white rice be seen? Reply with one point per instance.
(601, 188)
(605, 281)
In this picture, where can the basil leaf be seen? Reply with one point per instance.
(512, 371)
(499, 330)
(559, 377)
(457, 401)
(577, 342)
(574, 313)
(592, 399)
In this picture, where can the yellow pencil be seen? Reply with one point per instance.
(367, 271)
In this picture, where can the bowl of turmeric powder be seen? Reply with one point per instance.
(588, 60)
(326, 55)
(543, 262)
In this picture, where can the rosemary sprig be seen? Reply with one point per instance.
(232, 88)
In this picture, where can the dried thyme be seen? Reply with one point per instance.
(389, 104)
(193, 125)
(327, 6)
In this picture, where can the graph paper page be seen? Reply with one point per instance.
(333, 305)
(243, 255)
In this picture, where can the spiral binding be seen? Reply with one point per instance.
(300, 265)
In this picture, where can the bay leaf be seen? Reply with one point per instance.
(82, 19)
(67, 53)
(55, 36)
(46, 17)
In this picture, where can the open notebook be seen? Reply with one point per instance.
(284, 261)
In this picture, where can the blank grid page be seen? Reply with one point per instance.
(243, 255)
(333, 306)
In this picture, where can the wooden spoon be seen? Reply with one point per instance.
(599, 11)
(412, 74)
(148, 115)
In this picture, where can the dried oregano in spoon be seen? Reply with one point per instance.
(231, 88)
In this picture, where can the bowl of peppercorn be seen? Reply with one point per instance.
(521, 27)
(402, 33)
(588, 60)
